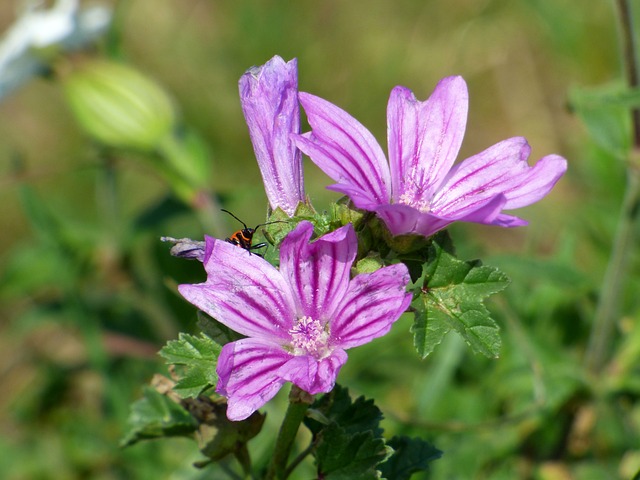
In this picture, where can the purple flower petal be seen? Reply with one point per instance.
(318, 272)
(248, 375)
(404, 220)
(344, 149)
(311, 375)
(483, 211)
(425, 138)
(500, 169)
(360, 198)
(269, 97)
(373, 302)
(534, 182)
(244, 292)
(300, 319)
(508, 221)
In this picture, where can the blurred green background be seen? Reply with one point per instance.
(87, 291)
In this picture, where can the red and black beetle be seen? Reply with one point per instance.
(243, 238)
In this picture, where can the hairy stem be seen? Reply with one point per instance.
(613, 282)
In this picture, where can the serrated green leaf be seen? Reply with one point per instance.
(348, 435)
(344, 456)
(410, 455)
(426, 334)
(354, 416)
(198, 357)
(155, 416)
(449, 297)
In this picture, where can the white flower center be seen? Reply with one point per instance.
(309, 337)
(410, 199)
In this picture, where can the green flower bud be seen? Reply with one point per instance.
(118, 106)
(369, 264)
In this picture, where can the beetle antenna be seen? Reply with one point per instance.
(227, 211)
(269, 223)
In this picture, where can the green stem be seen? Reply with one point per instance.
(611, 292)
(630, 59)
(242, 455)
(614, 278)
(108, 202)
(299, 401)
(298, 460)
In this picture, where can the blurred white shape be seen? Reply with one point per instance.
(59, 28)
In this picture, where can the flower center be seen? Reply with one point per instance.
(309, 337)
(412, 200)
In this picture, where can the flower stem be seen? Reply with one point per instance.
(630, 60)
(298, 460)
(611, 291)
(612, 284)
(299, 401)
(242, 455)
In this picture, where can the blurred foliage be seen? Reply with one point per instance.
(87, 290)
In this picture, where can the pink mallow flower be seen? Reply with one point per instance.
(269, 98)
(298, 320)
(420, 191)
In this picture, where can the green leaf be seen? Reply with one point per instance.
(197, 356)
(605, 112)
(219, 333)
(612, 95)
(410, 455)
(336, 406)
(347, 435)
(427, 332)
(341, 455)
(155, 416)
(278, 226)
(449, 296)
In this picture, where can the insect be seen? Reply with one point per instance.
(243, 238)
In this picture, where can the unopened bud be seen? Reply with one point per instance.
(118, 106)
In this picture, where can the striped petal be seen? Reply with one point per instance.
(248, 372)
(404, 220)
(372, 304)
(425, 138)
(269, 97)
(244, 292)
(312, 375)
(344, 149)
(499, 170)
(318, 272)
